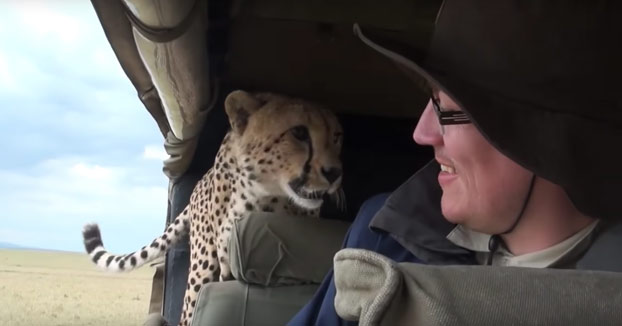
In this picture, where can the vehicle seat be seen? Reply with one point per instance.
(278, 262)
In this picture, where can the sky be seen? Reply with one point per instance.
(77, 144)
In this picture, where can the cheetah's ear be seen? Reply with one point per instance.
(239, 106)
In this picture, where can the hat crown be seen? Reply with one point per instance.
(559, 55)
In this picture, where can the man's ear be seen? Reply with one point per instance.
(239, 106)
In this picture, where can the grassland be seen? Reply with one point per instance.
(61, 288)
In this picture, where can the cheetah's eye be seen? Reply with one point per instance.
(300, 132)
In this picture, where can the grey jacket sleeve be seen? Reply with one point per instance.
(377, 291)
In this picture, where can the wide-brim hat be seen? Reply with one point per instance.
(541, 81)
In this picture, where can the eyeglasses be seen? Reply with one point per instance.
(448, 117)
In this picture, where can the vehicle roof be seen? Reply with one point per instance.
(184, 56)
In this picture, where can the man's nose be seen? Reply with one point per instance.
(427, 131)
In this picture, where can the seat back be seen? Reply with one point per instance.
(278, 262)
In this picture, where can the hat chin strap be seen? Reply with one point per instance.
(495, 239)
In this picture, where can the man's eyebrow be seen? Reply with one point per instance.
(435, 92)
(444, 107)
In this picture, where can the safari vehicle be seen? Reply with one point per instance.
(185, 56)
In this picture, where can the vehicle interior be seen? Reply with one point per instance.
(184, 56)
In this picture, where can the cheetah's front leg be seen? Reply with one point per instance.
(204, 268)
(223, 250)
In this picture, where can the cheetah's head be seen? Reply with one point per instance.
(290, 147)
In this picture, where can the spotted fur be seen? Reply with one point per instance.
(281, 155)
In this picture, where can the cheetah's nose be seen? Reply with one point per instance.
(331, 174)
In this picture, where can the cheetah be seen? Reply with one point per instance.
(280, 155)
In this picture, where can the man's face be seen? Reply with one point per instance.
(482, 188)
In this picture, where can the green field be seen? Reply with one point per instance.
(62, 288)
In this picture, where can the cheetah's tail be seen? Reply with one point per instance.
(95, 247)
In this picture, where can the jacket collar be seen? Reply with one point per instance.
(412, 215)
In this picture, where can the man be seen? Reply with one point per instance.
(525, 119)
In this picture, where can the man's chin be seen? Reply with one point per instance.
(453, 219)
(452, 211)
(461, 217)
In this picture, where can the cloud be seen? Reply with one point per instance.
(76, 139)
(62, 194)
(153, 152)
(65, 94)
(95, 172)
(52, 39)
(45, 22)
(6, 78)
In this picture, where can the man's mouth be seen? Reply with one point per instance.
(448, 169)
